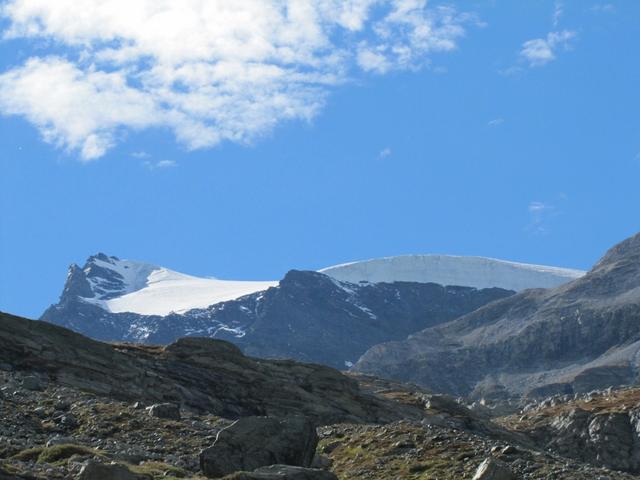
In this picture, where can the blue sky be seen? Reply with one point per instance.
(495, 128)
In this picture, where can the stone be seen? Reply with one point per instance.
(491, 469)
(254, 442)
(93, 470)
(169, 411)
(59, 440)
(509, 450)
(284, 472)
(321, 461)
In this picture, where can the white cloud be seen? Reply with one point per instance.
(539, 207)
(208, 70)
(160, 164)
(384, 153)
(495, 122)
(541, 51)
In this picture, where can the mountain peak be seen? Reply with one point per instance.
(117, 285)
(627, 251)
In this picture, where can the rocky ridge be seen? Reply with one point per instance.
(198, 373)
(571, 339)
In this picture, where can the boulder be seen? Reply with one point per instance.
(491, 469)
(170, 411)
(283, 472)
(254, 442)
(93, 470)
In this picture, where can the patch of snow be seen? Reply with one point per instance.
(153, 290)
(478, 272)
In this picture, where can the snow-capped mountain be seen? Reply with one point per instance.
(119, 286)
(329, 317)
(478, 272)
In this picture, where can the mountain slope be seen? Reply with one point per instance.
(308, 316)
(478, 272)
(573, 338)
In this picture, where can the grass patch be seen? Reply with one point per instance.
(158, 469)
(63, 452)
(28, 455)
(54, 454)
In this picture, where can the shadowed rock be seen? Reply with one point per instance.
(254, 442)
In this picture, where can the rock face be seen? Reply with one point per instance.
(600, 427)
(198, 373)
(309, 316)
(609, 439)
(570, 339)
(254, 442)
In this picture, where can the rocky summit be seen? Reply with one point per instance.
(578, 337)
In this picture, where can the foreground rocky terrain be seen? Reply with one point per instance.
(56, 432)
(575, 338)
(73, 408)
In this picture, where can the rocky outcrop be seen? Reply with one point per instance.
(570, 339)
(309, 316)
(600, 427)
(254, 442)
(202, 374)
(609, 439)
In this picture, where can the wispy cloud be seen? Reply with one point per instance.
(384, 153)
(162, 164)
(538, 215)
(495, 122)
(542, 214)
(603, 8)
(540, 51)
(140, 154)
(558, 11)
(208, 71)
